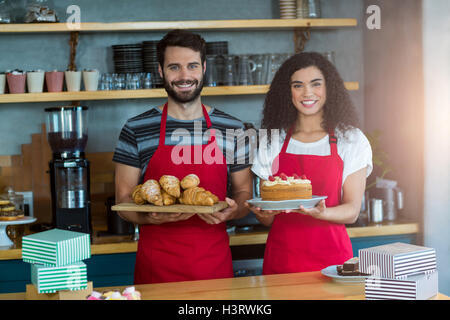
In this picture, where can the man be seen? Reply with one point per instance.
(182, 246)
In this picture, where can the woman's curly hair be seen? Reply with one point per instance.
(279, 111)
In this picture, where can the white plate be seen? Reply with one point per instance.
(332, 273)
(286, 204)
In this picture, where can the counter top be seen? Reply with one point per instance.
(125, 244)
(289, 286)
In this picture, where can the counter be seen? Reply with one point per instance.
(124, 244)
(290, 286)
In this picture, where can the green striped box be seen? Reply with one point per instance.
(52, 279)
(56, 247)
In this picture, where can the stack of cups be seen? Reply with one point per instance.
(288, 9)
(90, 80)
(16, 81)
(35, 81)
(2, 83)
(54, 80)
(302, 9)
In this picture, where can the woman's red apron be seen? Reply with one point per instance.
(301, 243)
(189, 249)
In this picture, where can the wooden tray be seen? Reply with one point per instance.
(172, 208)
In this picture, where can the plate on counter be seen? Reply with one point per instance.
(286, 204)
(331, 272)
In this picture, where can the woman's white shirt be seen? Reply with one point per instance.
(354, 150)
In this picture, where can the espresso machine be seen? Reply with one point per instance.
(69, 170)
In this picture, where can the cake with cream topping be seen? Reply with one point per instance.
(282, 187)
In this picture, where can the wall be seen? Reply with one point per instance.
(393, 95)
(436, 47)
(51, 51)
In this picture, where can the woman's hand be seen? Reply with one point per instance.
(262, 213)
(264, 216)
(318, 212)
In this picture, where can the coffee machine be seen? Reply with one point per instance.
(69, 170)
(391, 197)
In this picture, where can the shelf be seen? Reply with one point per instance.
(135, 94)
(256, 24)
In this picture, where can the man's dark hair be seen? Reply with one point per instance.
(181, 38)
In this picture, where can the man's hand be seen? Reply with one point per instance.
(221, 216)
(163, 217)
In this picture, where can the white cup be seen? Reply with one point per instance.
(90, 80)
(35, 81)
(2, 83)
(73, 80)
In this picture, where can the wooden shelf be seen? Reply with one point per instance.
(135, 94)
(210, 25)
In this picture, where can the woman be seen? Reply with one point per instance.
(319, 138)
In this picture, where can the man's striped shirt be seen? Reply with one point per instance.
(139, 138)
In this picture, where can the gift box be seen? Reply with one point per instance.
(397, 260)
(52, 279)
(56, 247)
(415, 287)
(31, 293)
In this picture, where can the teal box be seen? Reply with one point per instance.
(56, 247)
(52, 279)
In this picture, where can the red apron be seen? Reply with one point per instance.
(189, 249)
(301, 243)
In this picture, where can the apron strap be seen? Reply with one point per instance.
(162, 126)
(209, 124)
(286, 140)
(332, 140)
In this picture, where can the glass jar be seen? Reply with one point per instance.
(314, 9)
(14, 198)
(5, 12)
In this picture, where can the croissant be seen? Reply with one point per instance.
(168, 199)
(136, 195)
(151, 191)
(190, 181)
(171, 185)
(198, 196)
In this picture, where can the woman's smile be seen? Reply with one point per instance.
(308, 90)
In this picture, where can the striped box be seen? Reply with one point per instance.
(56, 247)
(52, 279)
(417, 287)
(397, 260)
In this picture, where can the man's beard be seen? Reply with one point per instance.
(183, 97)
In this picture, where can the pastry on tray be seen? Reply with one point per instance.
(151, 192)
(137, 195)
(168, 199)
(282, 187)
(198, 196)
(171, 185)
(190, 181)
(170, 190)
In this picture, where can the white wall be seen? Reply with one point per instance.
(436, 43)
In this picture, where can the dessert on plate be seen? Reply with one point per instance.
(285, 187)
